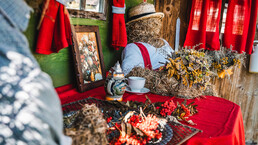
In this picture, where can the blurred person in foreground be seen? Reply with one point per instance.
(30, 111)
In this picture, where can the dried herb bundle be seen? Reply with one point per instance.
(159, 83)
(224, 60)
(190, 67)
(187, 72)
(89, 127)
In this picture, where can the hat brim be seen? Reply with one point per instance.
(154, 15)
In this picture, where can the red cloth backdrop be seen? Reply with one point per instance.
(220, 120)
(204, 24)
(240, 25)
(55, 30)
(119, 36)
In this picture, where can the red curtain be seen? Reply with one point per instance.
(119, 37)
(204, 24)
(240, 25)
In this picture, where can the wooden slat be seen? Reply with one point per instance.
(171, 10)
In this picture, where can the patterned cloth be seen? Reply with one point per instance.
(30, 111)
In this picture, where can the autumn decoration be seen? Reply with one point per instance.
(187, 72)
(225, 60)
(135, 123)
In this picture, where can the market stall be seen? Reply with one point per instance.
(187, 72)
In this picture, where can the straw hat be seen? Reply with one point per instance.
(143, 11)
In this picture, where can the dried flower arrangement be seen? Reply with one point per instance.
(189, 67)
(187, 72)
(224, 60)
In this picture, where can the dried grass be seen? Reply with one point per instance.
(159, 83)
(89, 127)
(192, 71)
(145, 30)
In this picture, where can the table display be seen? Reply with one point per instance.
(172, 132)
(220, 120)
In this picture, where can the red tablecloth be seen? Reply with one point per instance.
(220, 119)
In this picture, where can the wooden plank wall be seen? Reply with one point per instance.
(172, 10)
(240, 88)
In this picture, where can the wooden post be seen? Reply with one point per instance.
(172, 10)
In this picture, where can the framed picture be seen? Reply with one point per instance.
(92, 9)
(88, 57)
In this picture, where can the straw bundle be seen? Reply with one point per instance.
(159, 83)
(89, 127)
(145, 30)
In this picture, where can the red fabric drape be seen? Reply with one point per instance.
(145, 55)
(119, 37)
(204, 24)
(220, 120)
(240, 25)
(55, 30)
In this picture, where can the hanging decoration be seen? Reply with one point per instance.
(204, 24)
(54, 28)
(119, 37)
(240, 25)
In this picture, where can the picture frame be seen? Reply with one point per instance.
(90, 9)
(88, 57)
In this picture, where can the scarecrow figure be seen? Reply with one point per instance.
(145, 49)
